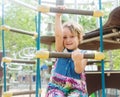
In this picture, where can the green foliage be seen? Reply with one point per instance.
(116, 59)
(20, 18)
(88, 23)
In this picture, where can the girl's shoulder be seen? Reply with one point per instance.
(83, 51)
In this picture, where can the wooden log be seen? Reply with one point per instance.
(10, 60)
(7, 28)
(46, 9)
(47, 54)
(117, 33)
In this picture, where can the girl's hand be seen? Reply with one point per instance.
(60, 7)
(79, 61)
(77, 57)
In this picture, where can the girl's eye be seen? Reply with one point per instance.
(64, 37)
(72, 36)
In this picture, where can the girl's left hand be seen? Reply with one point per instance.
(77, 56)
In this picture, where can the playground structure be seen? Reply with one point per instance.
(93, 79)
(109, 44)
(1, 74)
(111, 36)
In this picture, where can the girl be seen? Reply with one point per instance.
(68, 79)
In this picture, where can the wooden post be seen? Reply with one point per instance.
(1, 74)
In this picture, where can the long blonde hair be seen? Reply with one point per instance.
(75, 28)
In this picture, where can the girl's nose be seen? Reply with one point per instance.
(68, 39)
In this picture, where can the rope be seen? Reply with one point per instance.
(3, 46)
(101, 49)
(38, 80)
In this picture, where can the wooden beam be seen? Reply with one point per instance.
(104, 36)
(10, 60)
(8, 28)
(47, 54)
(45, 9)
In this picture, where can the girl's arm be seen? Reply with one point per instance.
(58, 33)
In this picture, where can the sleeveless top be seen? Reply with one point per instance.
(65, 66)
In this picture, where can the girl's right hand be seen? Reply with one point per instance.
(60, 7)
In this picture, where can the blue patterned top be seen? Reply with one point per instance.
(65, 66)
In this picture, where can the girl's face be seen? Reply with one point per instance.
(70, 40)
